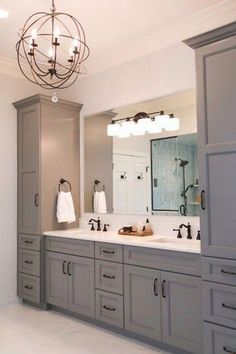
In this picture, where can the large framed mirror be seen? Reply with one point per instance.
(154, 173)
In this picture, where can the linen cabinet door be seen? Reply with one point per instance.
(81, 285)
(28, 170)
(56, 279)
(216, 88)
(181, 311)
(142, 301)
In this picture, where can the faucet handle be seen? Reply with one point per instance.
(105, 227)
(179, 233)
(92, 226)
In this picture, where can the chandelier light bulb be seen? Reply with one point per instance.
(34, 34)
(56, 33)
(76, 43)
(51, 52)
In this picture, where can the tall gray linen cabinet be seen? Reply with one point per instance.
(48, 150)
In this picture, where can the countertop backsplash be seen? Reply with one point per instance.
(162, 225)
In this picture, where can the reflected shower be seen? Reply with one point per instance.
(183, 207)
(182, 162)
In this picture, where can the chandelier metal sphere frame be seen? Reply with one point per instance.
(52, 49)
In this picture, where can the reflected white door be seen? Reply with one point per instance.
(130, 184)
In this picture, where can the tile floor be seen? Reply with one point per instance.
(25, 330)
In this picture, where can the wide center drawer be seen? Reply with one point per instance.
(182, 262)
(219, 305)
(109, 252)
(76, 247)
(109, 276)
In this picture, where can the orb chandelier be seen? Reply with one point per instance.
(52, 49)
(143, 123)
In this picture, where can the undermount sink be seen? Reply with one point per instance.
(179, 241)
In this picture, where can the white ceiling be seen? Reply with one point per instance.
(121, 30)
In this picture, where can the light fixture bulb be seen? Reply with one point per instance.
(76, 43)
(3, 14)
(50, 52)
(34, 34)
(56, 33)
(113, 129)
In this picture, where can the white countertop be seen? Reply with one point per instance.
(155, 241)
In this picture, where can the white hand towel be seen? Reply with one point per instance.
(99, 202)
(65, 207)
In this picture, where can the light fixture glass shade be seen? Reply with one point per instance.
(144, 123)
(123, 132)
(172, 124)
(161, 120)
(128, 125)
(154, 127)
(113, 129)
(3, 13)
(138, 130)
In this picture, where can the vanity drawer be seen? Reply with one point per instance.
(219, 305)
(180, 262)
(218, 339)
(109, 308)
(29, 262)
(82, 248)
(219, 270)
(29, 287)
(109, 252)
(109, 276)
(30, 242)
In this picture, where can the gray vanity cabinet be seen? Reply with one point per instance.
(56, 279)
(181, 311)
(142, 301)
(70, 283)
(48, 149)
(216, 102)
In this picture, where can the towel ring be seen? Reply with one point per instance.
(62, 181)
(96, 183)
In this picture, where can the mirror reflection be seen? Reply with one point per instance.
(152, 173)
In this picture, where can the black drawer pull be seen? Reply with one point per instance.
(68, 268)
(28, 242)
(227, 272)
(163, 288)
(28, 287)
(230, 307)
(229, 350)
(108, 276)
(155, 287)
(203, 204)
(108, 252)
(28, 262)
(64, 267)
(36, 199)
(109, 308)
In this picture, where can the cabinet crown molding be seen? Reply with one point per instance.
(212, 36)
(46, 99)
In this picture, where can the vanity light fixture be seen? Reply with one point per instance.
(143, 122)
(52, 49)
(3, 14)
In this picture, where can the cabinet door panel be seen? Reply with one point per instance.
(81, 285)
(216, 89)
(28, 170)
(142, 301)
(181, 311)
(56, 279)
